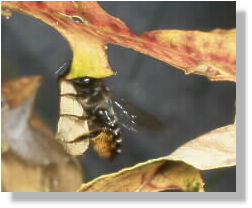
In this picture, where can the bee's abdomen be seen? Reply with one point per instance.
(106, 145)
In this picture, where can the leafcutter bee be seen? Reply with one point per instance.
(87, 113)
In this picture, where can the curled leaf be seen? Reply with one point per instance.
(179, 170)
(31, 158)
(215, 149)
(88, 29)
(151, 176)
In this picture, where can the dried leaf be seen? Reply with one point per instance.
(32, 160)
(70, 126)
(19, 175)
(17, 92)
(88, 28)
(215, 149)
(179, 170)
(152, 176)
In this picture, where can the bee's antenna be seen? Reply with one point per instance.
(63, 69)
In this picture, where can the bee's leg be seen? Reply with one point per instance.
(86, 117)
(87, 136)
(94, 134)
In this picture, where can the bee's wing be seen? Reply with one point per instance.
(126, 119)
(132, 116)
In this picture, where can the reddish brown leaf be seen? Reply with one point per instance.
(88, 28)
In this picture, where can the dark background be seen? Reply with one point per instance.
(187, 105)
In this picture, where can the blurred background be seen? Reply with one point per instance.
(181, 106)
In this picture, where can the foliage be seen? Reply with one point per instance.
(88, 29)
(31, 158)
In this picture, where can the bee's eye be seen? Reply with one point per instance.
(77, 19)
(86, 80)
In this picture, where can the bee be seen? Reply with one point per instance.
(87, 112)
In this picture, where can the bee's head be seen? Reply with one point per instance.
(86, 81)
